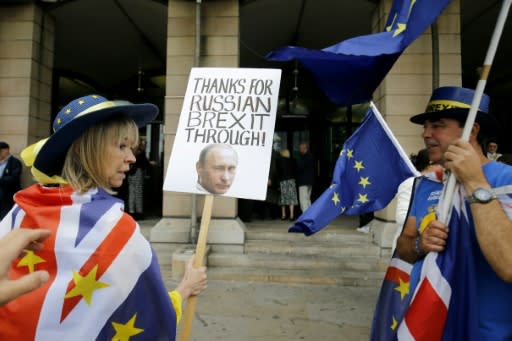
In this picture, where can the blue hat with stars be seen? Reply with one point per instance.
(75, 118)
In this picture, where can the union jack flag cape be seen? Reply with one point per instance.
(436, 298)
(105, 281)
(443, 305)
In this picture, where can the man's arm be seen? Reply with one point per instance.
(411, 245)
(494, 234)
(406, 242)
(493, 227)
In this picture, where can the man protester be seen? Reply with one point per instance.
(489, 220)
(10, 173)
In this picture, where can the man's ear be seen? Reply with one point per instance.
(474, 131)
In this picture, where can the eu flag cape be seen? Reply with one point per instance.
(350, 71)
(105, 281)
(371, 166)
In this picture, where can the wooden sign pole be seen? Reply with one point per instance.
(198, 262)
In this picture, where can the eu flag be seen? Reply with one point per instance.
(369, 169)
(350, 71)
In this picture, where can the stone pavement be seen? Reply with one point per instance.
(258, 311)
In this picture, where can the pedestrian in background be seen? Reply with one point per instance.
(286, 169)
(10, 174)
(492, 151)
(135, 180)
(305, 175)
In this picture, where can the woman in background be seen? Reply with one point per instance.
(286, 169)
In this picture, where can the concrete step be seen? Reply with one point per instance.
(312, 248)
(342, 231)
(329, 235)
(337, 255)
(296, 262)
(344, 278)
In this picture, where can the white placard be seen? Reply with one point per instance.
(229, 115)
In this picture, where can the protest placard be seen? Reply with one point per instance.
(224, 137)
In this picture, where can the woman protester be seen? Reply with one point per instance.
(104, 279)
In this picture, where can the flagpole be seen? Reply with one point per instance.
(393, 139)
(449, 189)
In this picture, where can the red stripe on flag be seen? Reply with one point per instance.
(22, 326)
(395, 274)
(427, 314)
(103, 256)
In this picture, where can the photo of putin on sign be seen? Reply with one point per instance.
(216, 168)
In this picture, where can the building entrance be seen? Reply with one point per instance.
(325, 134)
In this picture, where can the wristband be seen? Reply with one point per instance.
(417, 248)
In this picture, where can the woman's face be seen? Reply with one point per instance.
(119, 158)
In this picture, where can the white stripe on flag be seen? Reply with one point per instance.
(400, 264)
(6, 223)
(85, 322)
(437, 280)
(503, 190)
(403, 333)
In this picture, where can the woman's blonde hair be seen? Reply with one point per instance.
(84, 166)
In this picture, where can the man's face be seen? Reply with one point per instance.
(218, 171)
(4, 153)
(438, 135)
(303, 148)
(492, 147)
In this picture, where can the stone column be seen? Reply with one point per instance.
(26, 63)
(219, 26)
(407, 88)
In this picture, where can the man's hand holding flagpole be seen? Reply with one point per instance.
(449, 189)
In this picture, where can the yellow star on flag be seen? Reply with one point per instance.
(402, 288)
(31, 260)
(335, 198)
(81, 102)
(364, 181)
(359, 165)
(68, 111)
(350, 154)
(125, 331)
(85, 286)
(394, 324)
(362, 198)
(401, 27)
